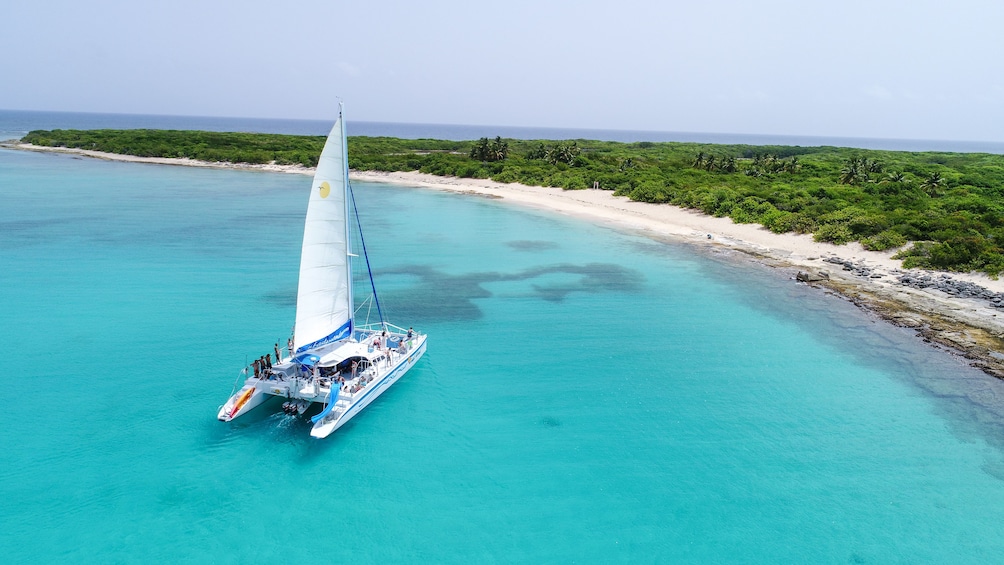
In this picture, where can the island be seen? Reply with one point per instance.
(917, 237)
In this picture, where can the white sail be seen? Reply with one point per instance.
(324, 297)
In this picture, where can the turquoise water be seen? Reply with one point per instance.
(588, 396)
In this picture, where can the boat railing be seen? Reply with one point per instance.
(384, 326)
(242, 376)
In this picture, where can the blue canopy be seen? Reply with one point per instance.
(307, 360)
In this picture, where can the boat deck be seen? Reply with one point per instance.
(375, 355)
(344, 376)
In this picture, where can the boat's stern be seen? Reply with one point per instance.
(244, 400)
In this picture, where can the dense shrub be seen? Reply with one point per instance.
(954, 202)
(883, 241)
(837, 234)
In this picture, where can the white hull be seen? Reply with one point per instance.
(347, 406)
(342, 401)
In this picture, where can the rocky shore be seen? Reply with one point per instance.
(956, 315)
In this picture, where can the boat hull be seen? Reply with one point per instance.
(340, 407)
(249, 397)
(334, 419)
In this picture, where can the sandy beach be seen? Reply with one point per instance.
(935, 304)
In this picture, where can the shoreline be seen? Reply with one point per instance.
(971, 327)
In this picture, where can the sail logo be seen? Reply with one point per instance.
(337, 335)
(325, 189)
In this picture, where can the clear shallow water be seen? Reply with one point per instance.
(588, 396)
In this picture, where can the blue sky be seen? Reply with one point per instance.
(906, 69)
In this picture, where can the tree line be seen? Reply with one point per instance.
(940, 210)
(228, 147)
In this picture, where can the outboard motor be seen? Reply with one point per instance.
(295, 407)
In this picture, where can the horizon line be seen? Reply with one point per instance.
(524, 127)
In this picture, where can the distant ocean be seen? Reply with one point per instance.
(15, 124)
(588, 396)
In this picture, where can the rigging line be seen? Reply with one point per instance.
(369, 271)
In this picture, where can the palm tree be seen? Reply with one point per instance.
(480, 150)
(538, 152)
(772, 163)
(872, 166)
(933, 183)
(499, 149)
(728, 165)
(895, 177)
(699, 160)
(850, 173)
(485, 150)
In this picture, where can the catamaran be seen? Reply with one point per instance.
(331, 361)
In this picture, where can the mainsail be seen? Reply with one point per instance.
(324, 297)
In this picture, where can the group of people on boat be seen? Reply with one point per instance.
(352, 379)
(383, 342)
(349, 377)
(262, 366)
(352, 382)
(354, 387)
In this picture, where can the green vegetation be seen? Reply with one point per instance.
(254, 148)
(950, 204)
(485, 150)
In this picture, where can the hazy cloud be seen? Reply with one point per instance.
(772, 66)
(878, 92)
(347, 68)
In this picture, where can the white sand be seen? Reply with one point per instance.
(666, 220)
(787, 251)
(792, 251)
(296, 169)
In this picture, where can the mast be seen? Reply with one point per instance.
(348, 235)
